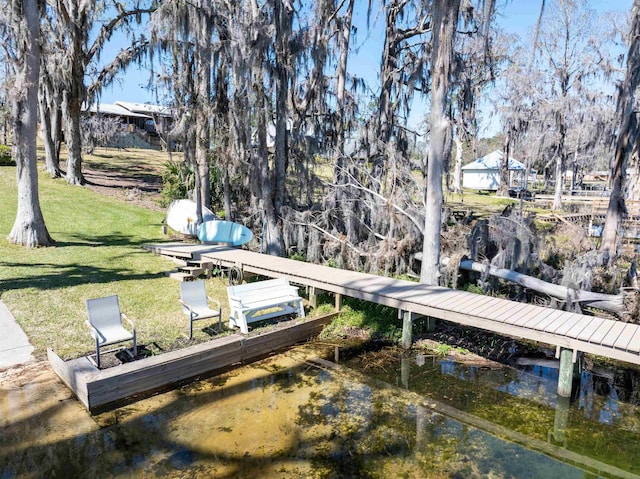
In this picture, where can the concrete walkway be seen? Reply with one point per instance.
(15, 347)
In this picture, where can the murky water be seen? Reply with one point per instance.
(296, 416)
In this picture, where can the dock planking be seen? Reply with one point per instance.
(604, 337)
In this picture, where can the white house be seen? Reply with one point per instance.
(484, 173)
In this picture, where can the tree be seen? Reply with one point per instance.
(73, 22)
(479, 59)
(22, 47)
(569, 49)
(444, 20)
(626, 141)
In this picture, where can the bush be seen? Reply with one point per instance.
(5, 156)
(177, 179)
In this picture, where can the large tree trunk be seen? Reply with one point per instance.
(625, 142)
(73, 139)
(557, 195)
(503, 188)
(444, 21)
(203, 113)
(457, 167)
(49, 124)
(29, 228)
(633, 190)
(561, 158)
(341, 79)
(340, 176)
(275, 202)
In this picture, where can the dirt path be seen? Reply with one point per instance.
(143, 190)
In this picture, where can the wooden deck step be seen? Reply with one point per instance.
(195, 271)
(203, 263)
(177, 275)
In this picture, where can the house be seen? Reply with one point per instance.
(116, 111)
(140, 123)
(143, 116)
(484, 173)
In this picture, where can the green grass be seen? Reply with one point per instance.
(485, 204)
(380, 321)
(98, 253)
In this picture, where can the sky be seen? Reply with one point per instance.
(515, 16)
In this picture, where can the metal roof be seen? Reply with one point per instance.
(493, 161)
(145, 108)
(116, 109)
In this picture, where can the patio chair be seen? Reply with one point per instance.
(195, 304)
(105, 325)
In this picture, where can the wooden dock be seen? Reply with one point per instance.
(580, 333)
(102, 389)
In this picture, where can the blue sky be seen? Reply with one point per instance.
(516, 16)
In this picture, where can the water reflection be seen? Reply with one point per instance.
(293, 415)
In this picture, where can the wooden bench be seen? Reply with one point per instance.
(262, 300)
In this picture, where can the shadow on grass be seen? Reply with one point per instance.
(62, 276)
(51, 275)
(105, 240)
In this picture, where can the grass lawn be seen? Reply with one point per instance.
(98, 253)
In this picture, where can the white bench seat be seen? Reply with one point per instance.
(262, 300)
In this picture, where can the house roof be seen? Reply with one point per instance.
(492, 161)
(116, 109)
(145, 108)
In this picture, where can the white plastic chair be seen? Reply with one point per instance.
(105, 325)
(195, 304)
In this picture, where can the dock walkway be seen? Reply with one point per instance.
(580, 333)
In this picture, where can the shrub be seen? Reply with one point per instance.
(177, 179)
(5, 156)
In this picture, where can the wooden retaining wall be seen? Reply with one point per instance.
(100, 390)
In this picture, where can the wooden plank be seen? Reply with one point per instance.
(602, 331)
(504, 306)
(514, 311)
(533, 314)
(569, 321)
(625, 336)
(140, 376)
(490, 306)
(73, 374)
(470, 305)
(612, 336)
(547, 320)
(445, 298)
(634, 342)
(584, 330)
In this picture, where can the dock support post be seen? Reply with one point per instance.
(430, 324)
(338, 301)
(407, 328)
(405, 371)
(313, 297)
(561, 419)
(569, 369)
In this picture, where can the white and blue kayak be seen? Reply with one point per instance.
(218, 231)
(182, 217)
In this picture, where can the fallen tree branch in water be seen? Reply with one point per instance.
(606, 302)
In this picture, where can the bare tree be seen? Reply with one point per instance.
(568, 47)
(444, 20)
(74, 22)
(21, 33)
(626, 141)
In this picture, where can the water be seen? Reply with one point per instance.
(291, 415)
